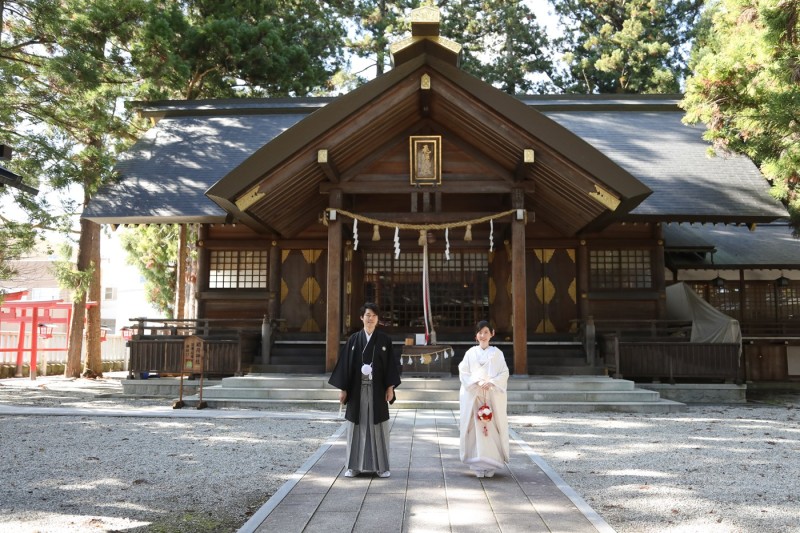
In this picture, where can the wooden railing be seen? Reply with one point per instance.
(661, 350)
(157, 345)
(159, 327)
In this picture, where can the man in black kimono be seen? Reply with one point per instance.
(367, 373)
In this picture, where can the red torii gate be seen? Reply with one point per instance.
(33, 313)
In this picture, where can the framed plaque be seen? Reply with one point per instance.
(426, 159)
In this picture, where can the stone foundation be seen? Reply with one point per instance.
(699, 392)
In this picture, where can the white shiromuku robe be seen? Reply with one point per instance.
(481, 451)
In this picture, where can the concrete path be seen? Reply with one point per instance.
(430, 490)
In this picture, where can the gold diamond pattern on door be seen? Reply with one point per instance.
(551, 298)
(303, 282)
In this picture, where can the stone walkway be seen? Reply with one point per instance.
(430, 490)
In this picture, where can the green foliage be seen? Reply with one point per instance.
(62, 73)
(17, 239)
(69, 276)
(153, 249)
(377, 24)
(626, 46)
(746, 88)
(217, 49)
(503, 43)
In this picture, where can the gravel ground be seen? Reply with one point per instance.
(712, 469)
(165, 475)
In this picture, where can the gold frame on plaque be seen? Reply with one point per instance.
(425, 152)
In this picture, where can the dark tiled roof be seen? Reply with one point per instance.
(165, 175)
(768, 246)
(672, 159)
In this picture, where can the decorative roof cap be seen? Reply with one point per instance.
(425, 38)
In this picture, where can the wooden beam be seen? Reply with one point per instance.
(399, 185)
(476, 152)
(430, 218)
(326, 164)
(525, 165)
(425, 95)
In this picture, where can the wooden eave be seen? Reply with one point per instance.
(571, 185)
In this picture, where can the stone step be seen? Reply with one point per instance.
(535, 383)
(311, 369)
(169, 385)
(434, 395)
(566, 370)
(165, 387)
(653, 407)
(525, 394)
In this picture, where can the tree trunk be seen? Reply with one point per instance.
(94, 362)
(180, 286)
(73, 367)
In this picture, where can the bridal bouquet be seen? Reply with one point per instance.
(485, 415)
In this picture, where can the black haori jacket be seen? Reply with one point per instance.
(385, 372)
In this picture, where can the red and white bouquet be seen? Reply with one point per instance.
(485, 415)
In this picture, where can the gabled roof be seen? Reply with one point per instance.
(164, 179)
(688, 183)
(571, 184)
(164, 176)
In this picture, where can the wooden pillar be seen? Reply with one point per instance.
(659, 280)
(520, 316)
(203, 267)
(334, 299)
(582, 292)
(274, 282)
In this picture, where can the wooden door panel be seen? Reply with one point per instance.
(551, 298)
(303, 289)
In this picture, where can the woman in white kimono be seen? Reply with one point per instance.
(484, 378)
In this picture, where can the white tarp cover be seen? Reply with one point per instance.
(708, 323)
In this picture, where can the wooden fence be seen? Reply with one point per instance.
(163, 356)
(660, 350)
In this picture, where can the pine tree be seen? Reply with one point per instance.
(503, 43)
(625, 46)
(64, 73)
(746, 88)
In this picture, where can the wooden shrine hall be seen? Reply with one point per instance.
(443, 200)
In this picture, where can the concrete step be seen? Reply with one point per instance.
(525, 394)
(566, 370)
(168, 386)
(432, 395)
(287, 369)
(652, 407)
(164, 387)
